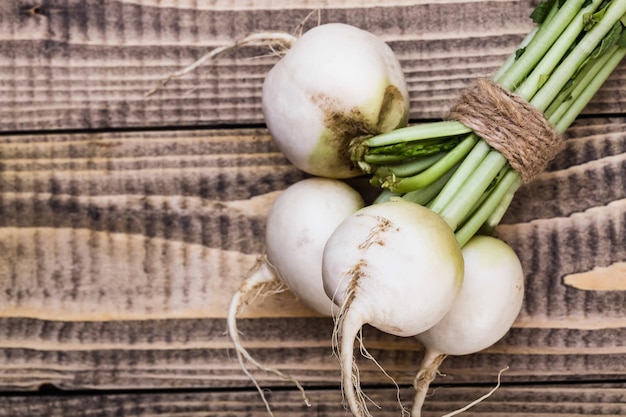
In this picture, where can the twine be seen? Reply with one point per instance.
(509, 124)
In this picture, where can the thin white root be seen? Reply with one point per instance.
(346, 331)
(429, 368)
(367, 355)
(270, 39)
(300, 28)
(263, 281)
(478, 400)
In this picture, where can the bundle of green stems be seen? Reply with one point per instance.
(446, 166)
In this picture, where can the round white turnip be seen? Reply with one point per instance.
(396, 266)
(335, 83)
(489, 302)
(297, 228)
(300, 222)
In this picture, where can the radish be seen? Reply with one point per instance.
(335, 83)
(394, 265)
(485, 309)
(298, 226)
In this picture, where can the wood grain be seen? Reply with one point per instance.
(528, 401)
(610, 278)
(88, 64)
(196, 353)
(121, 252)
(127, 222)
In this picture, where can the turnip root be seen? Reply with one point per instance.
(394, 265)
(277, 40)
(298, 226)
(485, 309)
(334, 84)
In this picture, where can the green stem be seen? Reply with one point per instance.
(506, 168)
(547, 34)
(435, 171)
(569, 95)
(554, 55)
(383, 159)
(573, 60)
(573, 92)
(418, 132)
(500, 210)
(385, 196)
(469, 165)
(475, 186)
(510, 181)
(413, 167)
(423, 196)
(589, 91)
(512, 58)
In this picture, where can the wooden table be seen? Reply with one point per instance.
(127, 221)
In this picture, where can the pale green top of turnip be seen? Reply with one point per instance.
(399, 261)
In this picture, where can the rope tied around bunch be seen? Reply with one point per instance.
(509, 124)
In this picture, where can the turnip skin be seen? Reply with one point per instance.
(401, 259)
(336, 83)
(487, 305)
(396, 266)
(489, 302)
(300, 222)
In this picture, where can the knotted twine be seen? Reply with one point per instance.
(509, 124)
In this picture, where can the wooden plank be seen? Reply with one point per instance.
(119, 253)
(196, 353)
(88, 64)
(202, 197)
(527, 401)
(120, 246)
(591, 143)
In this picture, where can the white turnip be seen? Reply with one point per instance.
(396, 266)
(335, 83)
(300, 222)
(485, 309)
(298, 226)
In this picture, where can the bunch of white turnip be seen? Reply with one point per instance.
(394, 265)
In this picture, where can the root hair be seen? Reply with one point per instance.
(347, 329)
(478, 400)
(277, 41)
(429, 369)
(365, 353)
(262, 281)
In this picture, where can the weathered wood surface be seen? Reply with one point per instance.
(120, 259)
(529, 401)
(127, 222)
(87, 64)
